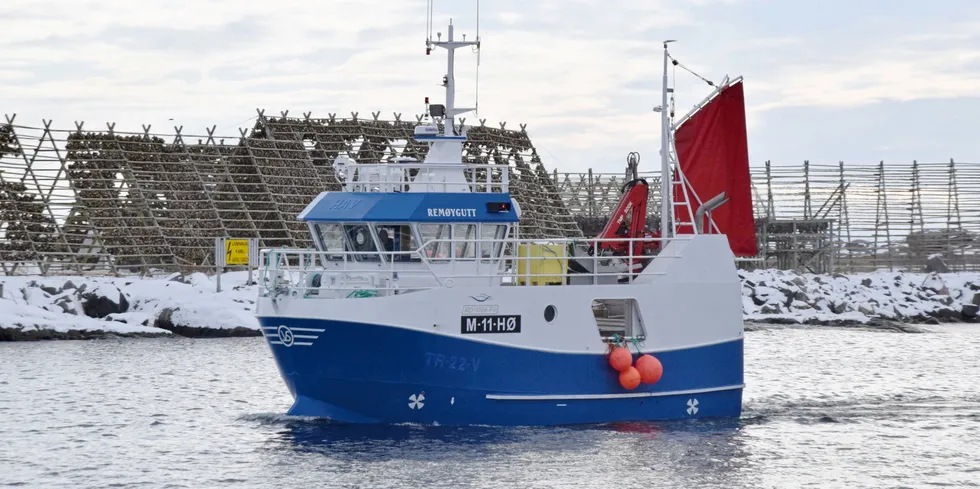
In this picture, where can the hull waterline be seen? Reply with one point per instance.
(364, 373)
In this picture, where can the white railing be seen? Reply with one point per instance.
(348, 274)
(399, 176)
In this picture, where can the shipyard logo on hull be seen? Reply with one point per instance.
(285, 335)
(451, 212)
(288, 337)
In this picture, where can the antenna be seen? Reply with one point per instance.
(449, 80)
(428, 24)
(476, 108)
(666, 201)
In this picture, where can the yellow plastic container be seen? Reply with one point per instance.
(547, 264)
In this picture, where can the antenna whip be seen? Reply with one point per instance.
(476, 108)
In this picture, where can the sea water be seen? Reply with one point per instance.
(824, 407)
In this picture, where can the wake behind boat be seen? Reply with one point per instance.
(422, 303)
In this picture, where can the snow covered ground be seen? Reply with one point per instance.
(789, 297)
(81, 307)
(86, 307)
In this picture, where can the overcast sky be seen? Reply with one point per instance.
(829, 80)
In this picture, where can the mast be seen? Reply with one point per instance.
(666, 202)
(449, 81)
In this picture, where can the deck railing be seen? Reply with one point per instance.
(306, 273)
(399, 176)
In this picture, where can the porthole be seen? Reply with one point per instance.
(549, 313)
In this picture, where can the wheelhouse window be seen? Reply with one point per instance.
(359, 239)
(435, 237)
(490, 250)
(464, 240)
(331, 240)
(398, 242)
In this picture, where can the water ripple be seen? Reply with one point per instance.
(824, 407)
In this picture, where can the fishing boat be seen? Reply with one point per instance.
(422, 302)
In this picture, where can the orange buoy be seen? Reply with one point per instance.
(629, 378)
(650, 369)
(620, 358)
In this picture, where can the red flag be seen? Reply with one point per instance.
(713, 152)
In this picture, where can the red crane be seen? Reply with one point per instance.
(629, 221)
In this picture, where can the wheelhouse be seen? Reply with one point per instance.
(410, 227)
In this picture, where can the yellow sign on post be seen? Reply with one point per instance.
(236, 252)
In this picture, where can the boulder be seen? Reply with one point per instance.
(771, 309)
(102, 301)
(789, 295)
(970, 310)
(67, 304)
(165, 320)
(935, 283)
(946, 315)
(799, 305)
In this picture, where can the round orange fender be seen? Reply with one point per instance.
(620, 358)
(629, 378)
(650, 369)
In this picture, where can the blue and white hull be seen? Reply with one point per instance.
(364, 373)
(408, 358)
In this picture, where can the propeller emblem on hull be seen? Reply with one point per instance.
(416, 401)
(692, 406)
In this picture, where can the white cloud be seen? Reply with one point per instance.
(913, 67)
(902, 76)
(582, 74)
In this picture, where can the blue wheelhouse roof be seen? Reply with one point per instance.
(407, 207)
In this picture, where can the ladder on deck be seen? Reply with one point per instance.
(679, 184)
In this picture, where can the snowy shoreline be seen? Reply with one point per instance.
(39, 308)
(786, 297)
